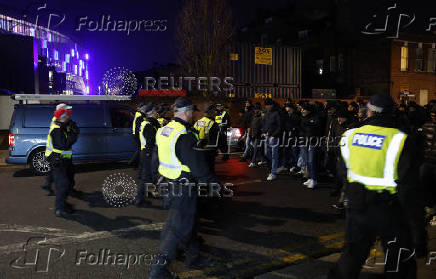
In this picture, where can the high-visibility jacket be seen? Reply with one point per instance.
(203, 126)
(161, 121)
(371, 155)
(219, 118)
(49, 144)
(166, 140)
(137, 115)
(141, 133)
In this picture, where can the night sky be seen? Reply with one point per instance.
(139, 50)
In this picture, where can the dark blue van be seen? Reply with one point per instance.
(105, 134)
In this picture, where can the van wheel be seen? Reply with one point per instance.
(38, 162)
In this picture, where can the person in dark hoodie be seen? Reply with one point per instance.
(255, 135)
(245, 125)
(344, 122)
(310, 130)
(272, 131)
(330, 155)
(291, 126)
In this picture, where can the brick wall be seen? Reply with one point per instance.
(416, 81)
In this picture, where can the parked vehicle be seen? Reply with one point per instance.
(105, 134)
(234, 135)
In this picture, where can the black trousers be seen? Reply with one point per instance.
(210, 159)
(63, 177)
(222, 141)
(383, 219)
(180, 231)
(148, 171)
(427, 173)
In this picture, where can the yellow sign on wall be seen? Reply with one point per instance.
(234, 56)
(263, 55)
(262, 95)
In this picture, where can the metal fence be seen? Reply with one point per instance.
(279, 77)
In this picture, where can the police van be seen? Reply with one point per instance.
(105, 130)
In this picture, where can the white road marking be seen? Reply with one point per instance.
(83, 237)
(30, 229)
(249, 182)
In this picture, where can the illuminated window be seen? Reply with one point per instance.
(404, 58)
(319, 66)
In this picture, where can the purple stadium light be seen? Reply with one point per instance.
(72, 52)
(87, 56)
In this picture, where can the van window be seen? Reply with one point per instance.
(121, 118)
(37, 117)
(89, 116)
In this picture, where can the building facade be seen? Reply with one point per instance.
(60, 65)
(413, 69)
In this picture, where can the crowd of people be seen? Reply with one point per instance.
(382, 158)
(303, 139)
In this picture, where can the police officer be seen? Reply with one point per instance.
(149, 162)
(379, 166)
(208, 135)
(137, 120)
(62, 135)
(49, 178)
(161, 112)
(222, 118)
(180, 162)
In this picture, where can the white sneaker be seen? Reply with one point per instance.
(251, 165)
(271, 176)
(261, 163)
(281, 169)
(302, 172)
(291, 170)
(311, 184)
(307, 182)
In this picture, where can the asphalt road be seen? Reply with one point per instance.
(265, 226)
